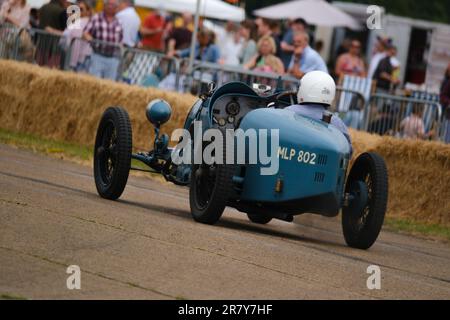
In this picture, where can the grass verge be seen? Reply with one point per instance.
(434, 231)
(59, 149)
(7, 296)
(71, 151)
(47, 146)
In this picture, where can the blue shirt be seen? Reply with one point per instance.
(310, 61)
(316, 112)
(209, 54)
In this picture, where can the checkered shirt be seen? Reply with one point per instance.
(102, 30)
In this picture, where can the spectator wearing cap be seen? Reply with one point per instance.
(304, 58)
(130, 21)
(15, 12)
(104, 27)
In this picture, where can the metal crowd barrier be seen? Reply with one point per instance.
(150, 69)
(385, 114)
(9, 41)
(49, 49)
(205, 72)
(100, 58)
(357, 100)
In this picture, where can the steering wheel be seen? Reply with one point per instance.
(290, 94)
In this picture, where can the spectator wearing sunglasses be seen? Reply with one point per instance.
(351, 63)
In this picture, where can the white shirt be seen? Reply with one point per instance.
(229, 50)
(130, 21)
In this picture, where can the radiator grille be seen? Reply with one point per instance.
(322, 159)
(319, 177)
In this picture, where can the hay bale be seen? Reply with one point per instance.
(67, 106)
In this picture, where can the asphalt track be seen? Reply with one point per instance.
(146, 246)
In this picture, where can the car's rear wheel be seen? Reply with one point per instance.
(367, 187)
(112, 153)
(258, 218)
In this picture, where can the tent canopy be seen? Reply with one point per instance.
(316, 12)
(215, 9)
(37, 3)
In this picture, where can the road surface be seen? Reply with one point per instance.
(146, 246)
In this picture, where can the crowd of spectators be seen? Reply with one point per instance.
(259, 44)
(283, 48)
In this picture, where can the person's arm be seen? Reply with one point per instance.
(120, 40)
(183, 53)
(421, 130)
(251, 63)
(215, 54)
(286, 47)
(280, 67)
(363, 73)
(338, 68)
(286, 43)
(388, 77)
(402, 124)
(295, 70)
(88, 30)
(150, 32)
(54, 31)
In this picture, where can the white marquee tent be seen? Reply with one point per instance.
(316, 12)
(215, 9)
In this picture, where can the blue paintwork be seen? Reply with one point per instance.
(298, 133)
(295, 132)
(158, 112)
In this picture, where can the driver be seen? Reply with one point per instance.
(315, 95)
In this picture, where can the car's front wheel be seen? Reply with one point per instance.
(112, 153)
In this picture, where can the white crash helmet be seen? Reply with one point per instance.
(316, 87)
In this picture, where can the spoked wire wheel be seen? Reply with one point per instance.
(210, 189)
(112, 153)
(367, 185)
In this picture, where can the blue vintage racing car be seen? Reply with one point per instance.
(313, 158)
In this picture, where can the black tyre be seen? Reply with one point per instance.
(363, 218)
(112, 153)
(210, 189)
(258, 218)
